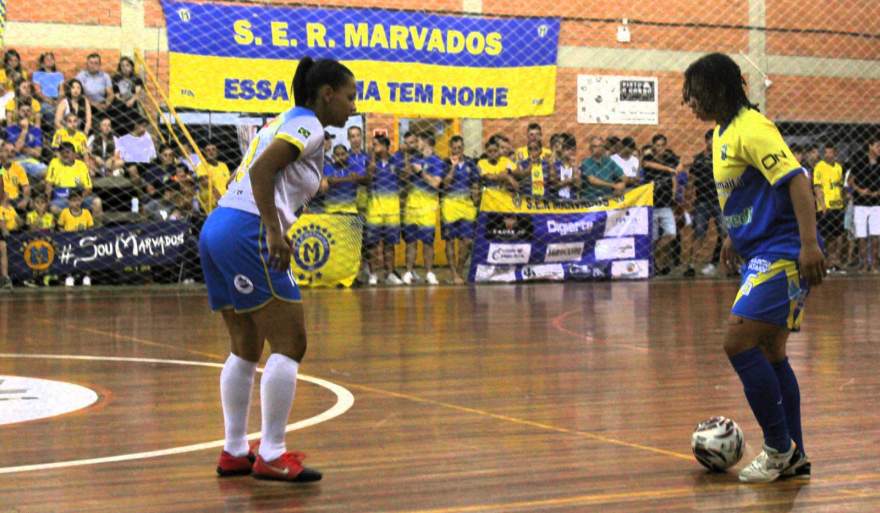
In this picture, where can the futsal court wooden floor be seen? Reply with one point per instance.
(530, 398)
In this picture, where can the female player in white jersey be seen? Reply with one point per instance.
(770, 215)
(246, 261)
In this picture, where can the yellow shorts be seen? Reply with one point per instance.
(383, 210)
(458, 209)
(421, 209)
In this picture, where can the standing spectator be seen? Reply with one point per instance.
(213, 176)
(461, 188)
(104, 158)
(49, 81)
(706, 209)
(15, 180)
(97, 85)
(556, 148)
(74, 101)
(24, 95)
(66, 173)
(136, 150)
(811, 158)
(383, 213)
(495, 169)
(12, 71)
(534, 172)
(358, 157)
(661, 166)
(71, 134)
(342, 181)
(567, 177)
(600, 176)
(128, 91)
(420, 216)
(75, 218)
(627, 160)
(830, 204)
(40, 219)
(328, 146)
(614, 145)
(28, 141)
(865, 182)
(506, 148)
(534, 133)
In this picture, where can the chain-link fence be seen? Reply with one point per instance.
(498, 140)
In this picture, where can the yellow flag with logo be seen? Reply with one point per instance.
(326, 249)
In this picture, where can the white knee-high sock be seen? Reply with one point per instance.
(236, 381)
(277, 389)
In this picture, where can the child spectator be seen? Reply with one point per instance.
(75, 218)
(40, 219)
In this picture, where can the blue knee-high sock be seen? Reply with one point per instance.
(791, 400)
(765, 398)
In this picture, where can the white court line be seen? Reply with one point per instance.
(344, 401)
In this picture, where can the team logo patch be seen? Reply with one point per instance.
(39, 254)
(311, 247)
(243, 284)
(303, 132)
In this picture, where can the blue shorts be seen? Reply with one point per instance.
(457, 230)
(771, 291)
(415, 232)
(376, 233)
(232, 247)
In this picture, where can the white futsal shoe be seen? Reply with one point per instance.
(769, 465)
(431, 278)
(373, 280)
(392, 279)
(68, 282)
(87, 281)
(408, 278)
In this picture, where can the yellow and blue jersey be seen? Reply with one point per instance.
(385, 180)
(70, 222)
(830, 178)
(458, 211)
(752, 164)
(433, 166)
(37, 221)
(383, 206)
(536, 181)
(342, 197)
(464, 178)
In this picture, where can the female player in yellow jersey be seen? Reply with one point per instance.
(246, 260)
(770, 214)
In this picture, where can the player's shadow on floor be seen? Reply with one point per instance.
(249, 494)
(713, 490)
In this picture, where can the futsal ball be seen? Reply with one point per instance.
(717, 443)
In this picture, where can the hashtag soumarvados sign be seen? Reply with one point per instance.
(104, 248)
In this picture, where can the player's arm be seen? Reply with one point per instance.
(430, 179)
(811, 260)
(262, 173)
(651, 164)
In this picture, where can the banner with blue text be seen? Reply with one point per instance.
(523, 239)
(99, 249)
(241, 58)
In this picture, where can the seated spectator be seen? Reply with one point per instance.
(15, 180)
(495, 169)
(75, 218)
(166, 207)
(5, 97)
(28, 141)
(534, 133)
(128, 91)
(104, 157)
(342, 181)
(600, 176)
(157, 174)
(74, 101)
(567, 177)
(71, 134)
(661, 165)
(97, 85)
(48, 81)
(40, 219)
(627, 160)
(213, 176)
(12, 71)
(533, 174)
(8, 216)
(24, 95)
(136, 150)
(67, 172)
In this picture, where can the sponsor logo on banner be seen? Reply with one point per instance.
(505, 273)
(630, 269)
(615, 249)
(631, 221)
(509, 253)
(586, 271)
(573, 228)
(543, 272)
(564, 252)
(508, 227)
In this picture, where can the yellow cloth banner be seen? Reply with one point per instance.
(326, 249)
(495, 200)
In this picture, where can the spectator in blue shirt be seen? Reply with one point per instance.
(28, 141)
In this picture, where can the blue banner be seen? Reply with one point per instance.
(98, 249)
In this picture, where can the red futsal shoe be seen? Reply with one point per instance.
(288, 467)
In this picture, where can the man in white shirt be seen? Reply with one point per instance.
(136, 150)
(627, 161)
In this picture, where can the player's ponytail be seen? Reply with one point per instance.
(311, 75)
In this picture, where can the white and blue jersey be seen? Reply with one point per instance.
(232, 245)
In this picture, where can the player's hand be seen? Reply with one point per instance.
(279, 249)
(812, 263)
(728, 254)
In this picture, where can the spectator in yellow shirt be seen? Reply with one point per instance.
(8, 216)
(40, 219)
(71, 134)
(24, 95)
(66, 172)
(830, 203)
(495, 169)
(75, 218)
(15, 180)
(534, 133)
(213, 176)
